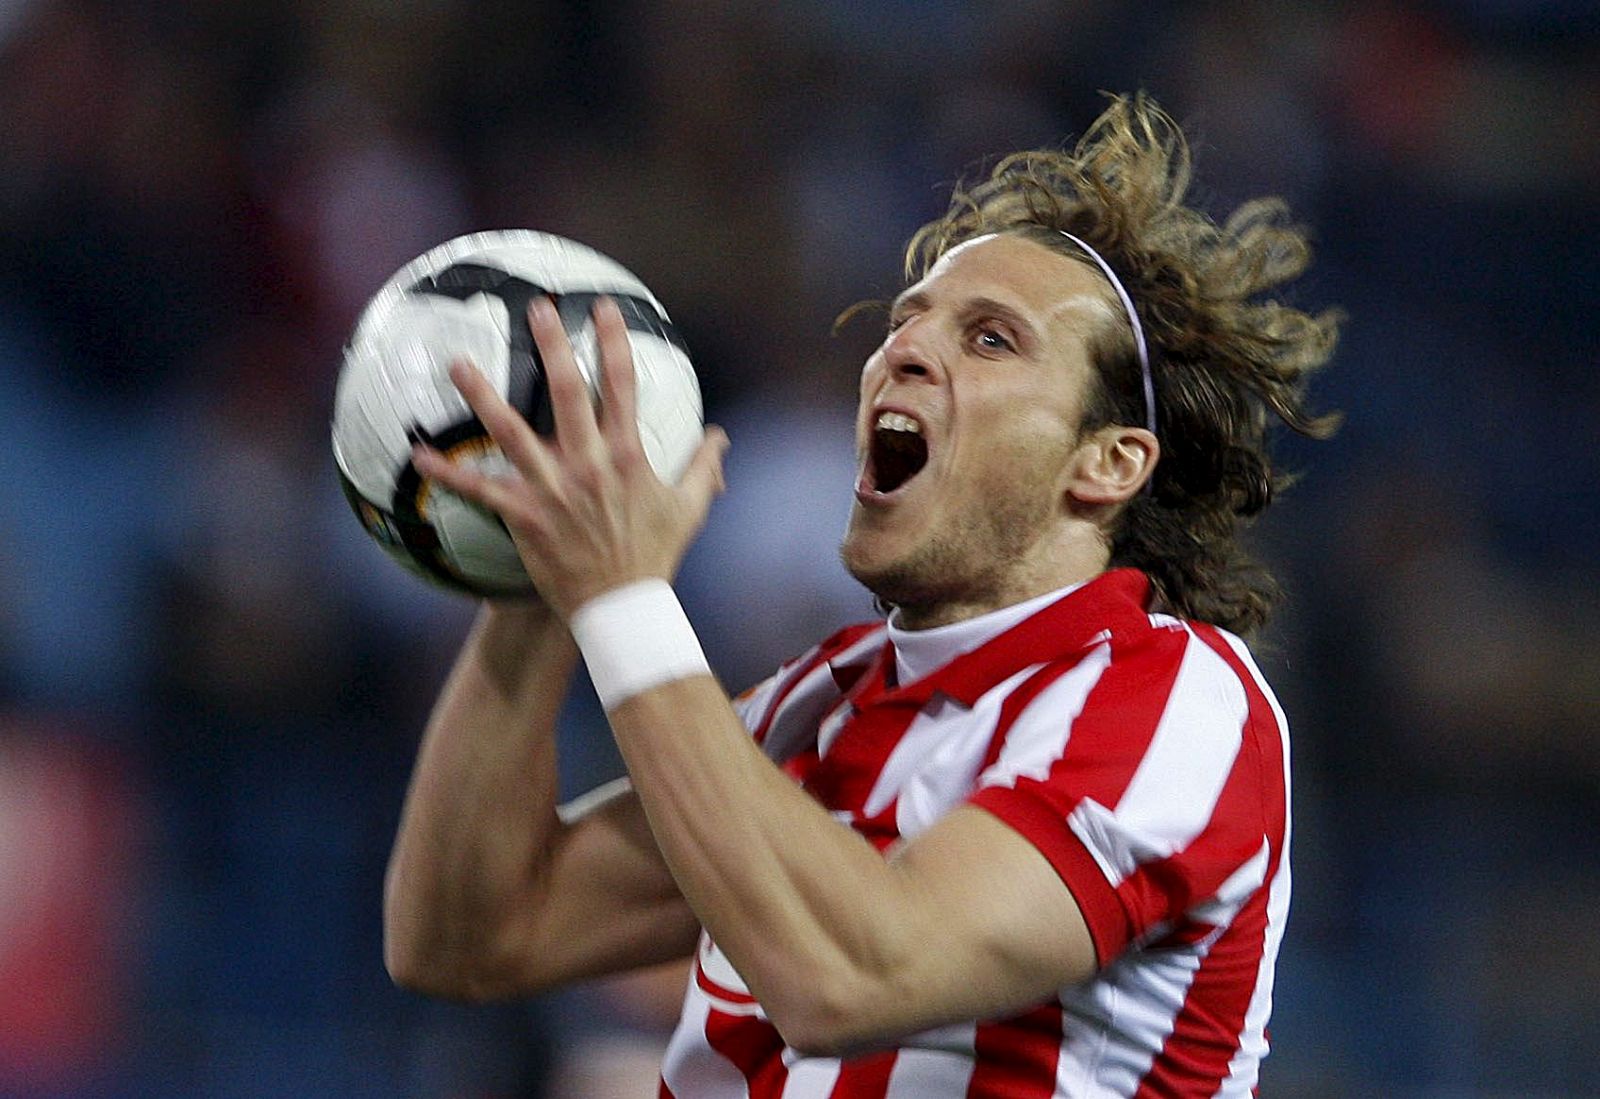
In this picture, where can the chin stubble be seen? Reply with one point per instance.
(966, 563)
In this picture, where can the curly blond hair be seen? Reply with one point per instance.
(1221, 353)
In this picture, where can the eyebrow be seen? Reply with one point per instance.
(912, 299)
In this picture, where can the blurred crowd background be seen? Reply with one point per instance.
(211, 684)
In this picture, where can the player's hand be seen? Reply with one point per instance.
(585, 509)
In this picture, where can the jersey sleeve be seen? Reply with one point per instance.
(1135, 773)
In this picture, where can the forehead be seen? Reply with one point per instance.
(1044, 285)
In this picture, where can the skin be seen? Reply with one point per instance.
(493, 892)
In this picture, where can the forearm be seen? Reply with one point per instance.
(480, 816)
(811, 915)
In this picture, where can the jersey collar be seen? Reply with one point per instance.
(1114, 601)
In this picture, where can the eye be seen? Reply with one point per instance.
(991, 338)
(898, 320)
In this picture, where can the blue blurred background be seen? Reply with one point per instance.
(211, 685)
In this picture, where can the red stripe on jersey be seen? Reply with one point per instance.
(844, 777)
(799, 767)
(1119, 718)
(1266, 736)
(846, 773)
(1206, 1034)
(1016, 1058)
(864, 1077)
(751, 1045)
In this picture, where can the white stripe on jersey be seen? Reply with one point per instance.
(1039, 735)
(810, 1077)
(1129, 1011)
(932, 766)
(941, 1064)
(831, 726)
(1175, 788)
(919, 1073)
(1245, 1067)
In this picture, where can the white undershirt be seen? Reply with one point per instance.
(918, 652)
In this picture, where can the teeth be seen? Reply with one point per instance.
(898, 421)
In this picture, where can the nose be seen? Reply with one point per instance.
(910, 351)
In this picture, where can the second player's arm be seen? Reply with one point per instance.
(490, 893)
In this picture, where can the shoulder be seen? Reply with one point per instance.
(1153, 694)
(1198, 663)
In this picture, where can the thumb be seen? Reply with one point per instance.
(703, 481)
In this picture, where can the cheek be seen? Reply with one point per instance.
(1024, 452)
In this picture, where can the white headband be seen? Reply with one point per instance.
(1138, 329)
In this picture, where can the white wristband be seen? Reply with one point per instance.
(636, 637)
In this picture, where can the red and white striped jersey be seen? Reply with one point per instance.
(1143, 755)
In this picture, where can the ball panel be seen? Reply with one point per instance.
(560, 265)
(395, 384)
(670, 415)
(415, 545)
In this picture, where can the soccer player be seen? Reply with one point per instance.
(1029, 837)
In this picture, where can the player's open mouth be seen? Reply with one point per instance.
(896, 452)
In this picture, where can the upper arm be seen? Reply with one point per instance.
(608, 903)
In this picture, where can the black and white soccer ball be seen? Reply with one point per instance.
(468, 299)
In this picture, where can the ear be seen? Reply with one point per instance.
(1112, 464)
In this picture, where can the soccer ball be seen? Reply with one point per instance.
(468, 299)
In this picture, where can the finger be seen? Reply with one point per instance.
(570, 397)
(464, 479)
(703, 479)
(619, 407)
(517, 440)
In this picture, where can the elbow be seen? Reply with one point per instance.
(460, 972)
(424, 980)
(832, 1019)
(436, 974)
(456, 980)
(416, 958)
